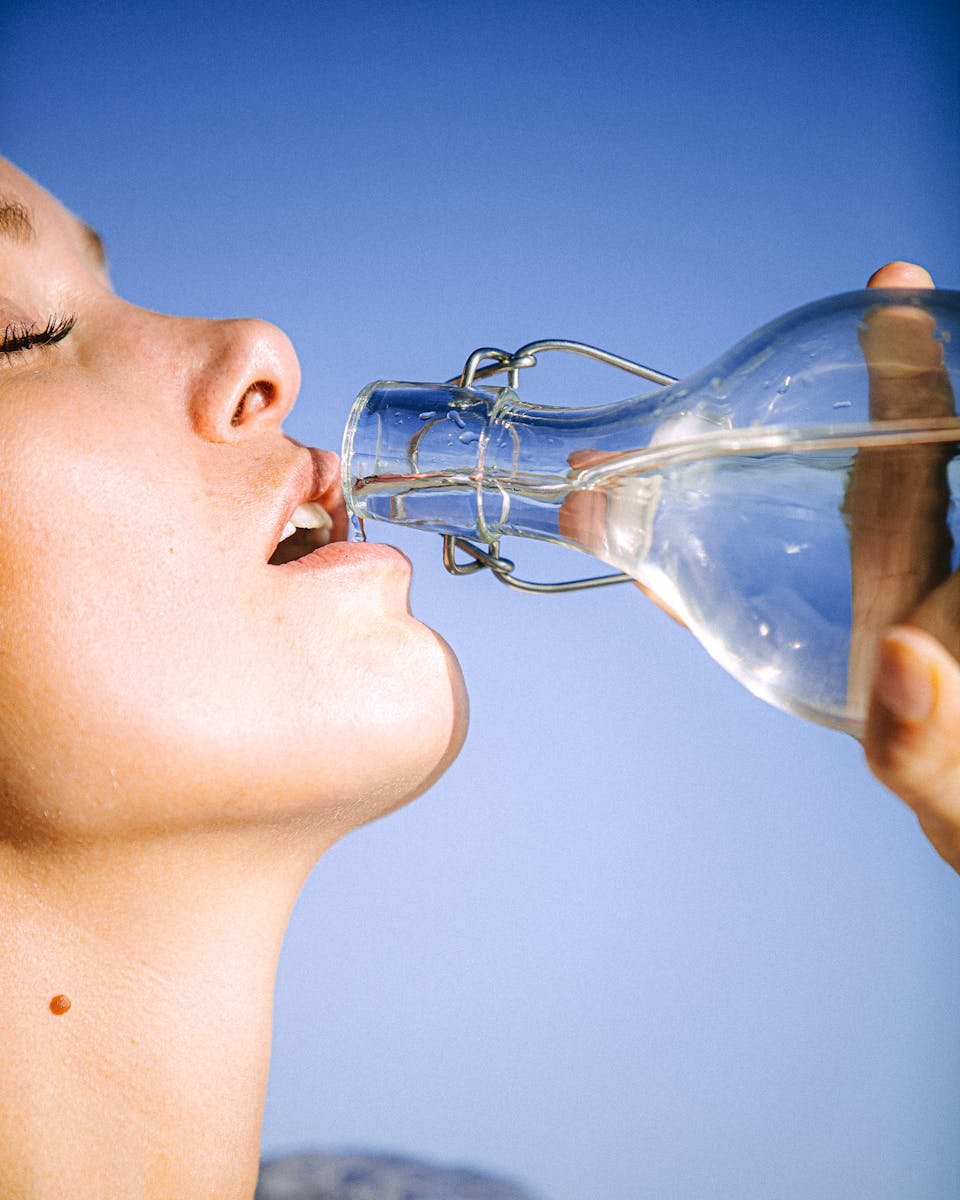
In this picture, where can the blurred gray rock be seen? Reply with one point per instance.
(376, 1177)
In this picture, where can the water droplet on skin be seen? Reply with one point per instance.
(455, 417)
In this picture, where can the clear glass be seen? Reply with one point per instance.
(788, 502)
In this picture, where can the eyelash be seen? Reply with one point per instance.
(17, 338)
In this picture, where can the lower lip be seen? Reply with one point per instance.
(336, 555)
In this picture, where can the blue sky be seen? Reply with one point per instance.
(649, 937)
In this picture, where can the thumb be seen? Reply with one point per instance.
(912, 740)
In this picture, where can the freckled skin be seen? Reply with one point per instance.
(59, 1005)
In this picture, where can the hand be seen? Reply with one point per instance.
(912, 737)
(902, 590)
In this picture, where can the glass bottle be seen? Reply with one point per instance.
(787, 503)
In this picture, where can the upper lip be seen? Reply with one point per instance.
(314, 478)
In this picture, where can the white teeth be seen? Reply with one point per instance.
(312, 516)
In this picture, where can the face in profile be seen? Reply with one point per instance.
(157, 669)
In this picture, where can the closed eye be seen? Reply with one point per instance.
(19, 337)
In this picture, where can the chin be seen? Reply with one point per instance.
(357, 748)
(438, 735)
(416, 731)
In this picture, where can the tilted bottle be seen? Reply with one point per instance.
(787, 503)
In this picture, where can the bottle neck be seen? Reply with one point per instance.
(477, 462)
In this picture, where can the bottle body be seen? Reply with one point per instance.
(768, 500)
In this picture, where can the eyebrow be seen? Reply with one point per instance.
(15, 224)
(15, 221)
(94, 243)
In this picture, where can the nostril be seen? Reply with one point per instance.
(258, 396)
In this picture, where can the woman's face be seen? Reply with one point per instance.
(156, 670)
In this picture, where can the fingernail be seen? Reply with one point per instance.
(904, 678)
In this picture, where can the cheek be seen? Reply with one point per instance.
(150, 673)
(89, 597)
(163, 687)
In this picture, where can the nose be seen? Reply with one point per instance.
(244, 379)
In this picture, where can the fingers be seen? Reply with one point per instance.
(661, 604)
(583, 519)
(939, 614)
(901, 275)
(897, 499)
(897, 506)
(904, 357)
(912, 740)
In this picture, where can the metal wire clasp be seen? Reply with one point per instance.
(501, 361)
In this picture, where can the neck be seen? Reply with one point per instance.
(152, 1082)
